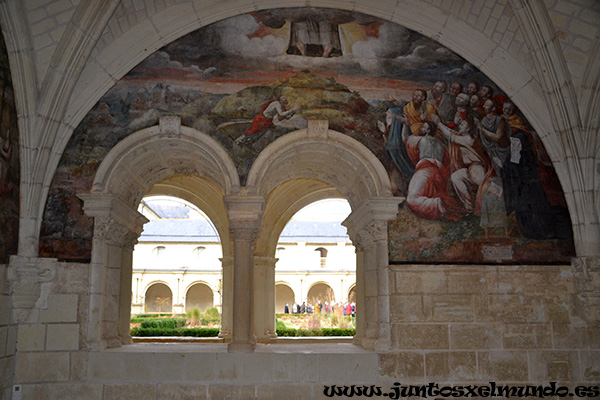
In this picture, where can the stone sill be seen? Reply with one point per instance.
(279, 340)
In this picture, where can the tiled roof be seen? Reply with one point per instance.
(201, 231)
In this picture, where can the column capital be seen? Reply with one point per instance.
(587, 270)
(245, 215)
(26, 276)
(372, 215)
(103, 205)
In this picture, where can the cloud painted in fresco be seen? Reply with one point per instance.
(161, 59)
(234, 38)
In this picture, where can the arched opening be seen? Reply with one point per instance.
(158, 299)
(352, 294)
(199, 296)
(163, 160)
(284, 295)
(179, 245)
(320, 293)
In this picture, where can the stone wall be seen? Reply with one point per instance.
(465, 324)
(7, 337)
(477, 323)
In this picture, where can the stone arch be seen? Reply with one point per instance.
(158, 298)
(300, 168)
(320, 291)
(351, 294)
(199, 295)
(321, 154)
(167, 159)
(283, 294)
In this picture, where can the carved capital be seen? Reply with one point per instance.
(112, 232)
(245, 233)
(25, 275)
(587, 270)
(362, 240)
(378, 230)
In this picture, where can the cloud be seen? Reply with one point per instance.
(234, 38)
(161, 59)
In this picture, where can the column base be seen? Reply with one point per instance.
(383, 345)
(368, 343)
(240, 347)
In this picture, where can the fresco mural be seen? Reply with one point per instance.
(9, 162)
(478, 184)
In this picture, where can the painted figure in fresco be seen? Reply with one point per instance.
(456, 88)
(428, 196)
(5, 153)
(463, 111)
(271, 114)
(443, 102)
(475, 105)
(311, 34)
(494, 133)
(395, 149)
(525, 194)
(417, 112)
(469, 162)
(473, 88)
(487, 93)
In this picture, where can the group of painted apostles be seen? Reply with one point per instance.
(326, 308)
(461, 153)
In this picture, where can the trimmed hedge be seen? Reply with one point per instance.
(162, 323)
(316, 332)
(194, 332)
(157, 315)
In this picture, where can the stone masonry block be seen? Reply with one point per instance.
(561, 366)
(42, 367)
(283, 391)
(199, 367)
(402, 365)
(232, 392)
(357, 368)
(420, 336)
(31, 337)
(183, 392)
(527, 336)
(129, 392)
(62, 337)
(449, 308)
(407, 308)
(475, 336)
(590, 366)
(448, 366)
(61, 308)
(3, 339)
(70, 391)
(502, 365)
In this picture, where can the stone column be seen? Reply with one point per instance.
(245, 214)
(130, 240)
(368, 226)
(379, 234)
(226, 298)
(116, 229)
(366, 290)
(264, 298)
